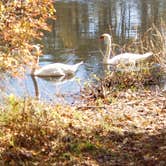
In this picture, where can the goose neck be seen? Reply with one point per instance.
(108, 50)
(36, 63)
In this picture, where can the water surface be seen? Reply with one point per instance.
(74, 37)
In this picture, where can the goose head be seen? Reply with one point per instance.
(36, 50)
(107, 38)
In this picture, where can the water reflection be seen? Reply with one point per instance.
(80, 22)
(75, 37)
(57, 82)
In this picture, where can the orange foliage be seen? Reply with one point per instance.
(21, 22)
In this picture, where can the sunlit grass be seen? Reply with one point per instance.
(34, 132)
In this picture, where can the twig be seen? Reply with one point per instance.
(79, 107)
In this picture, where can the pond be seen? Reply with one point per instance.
(74, 38)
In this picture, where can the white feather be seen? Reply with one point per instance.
(57, 69)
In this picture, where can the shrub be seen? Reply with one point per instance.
(21, 22)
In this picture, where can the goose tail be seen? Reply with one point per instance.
(76, 66)
(80, 63)
(148, 54)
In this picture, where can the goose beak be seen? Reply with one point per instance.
(101, 37)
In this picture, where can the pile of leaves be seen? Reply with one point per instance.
(21, 22)
(128, 129)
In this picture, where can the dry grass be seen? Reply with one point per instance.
(125, 129)
(153, 40)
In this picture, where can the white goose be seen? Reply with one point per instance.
(124, 58)
(55, 69)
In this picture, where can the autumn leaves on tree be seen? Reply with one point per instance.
(22, 22)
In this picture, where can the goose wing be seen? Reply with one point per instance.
(129, 58)
(55, 69)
